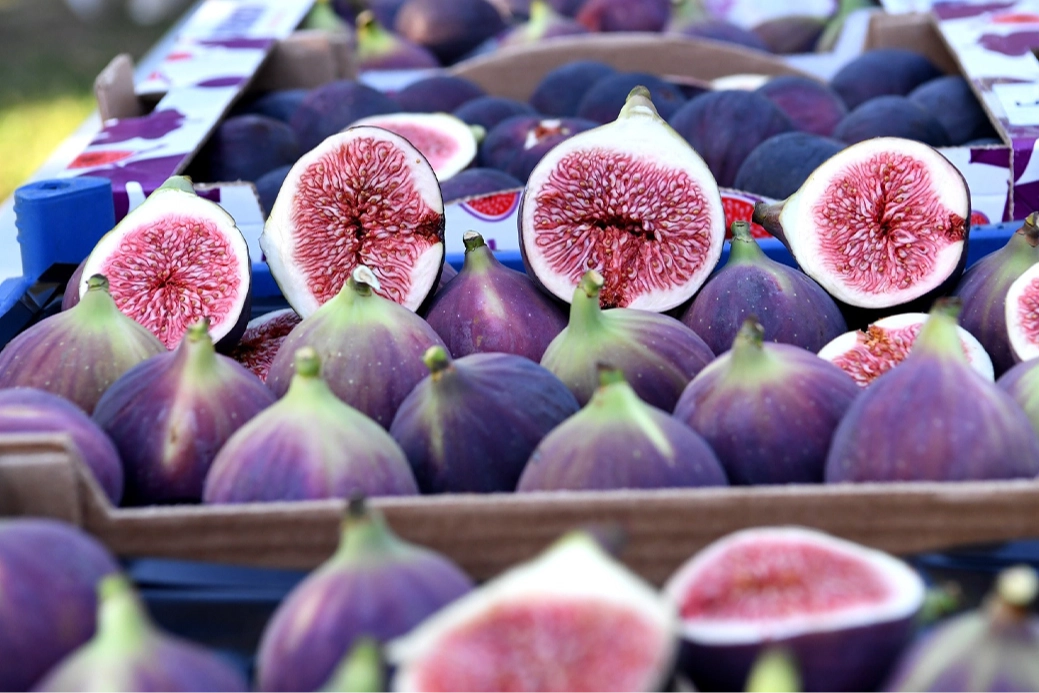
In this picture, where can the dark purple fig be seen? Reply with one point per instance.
(335, 450)
(983, 290)
(544, 23)
(279, 104)
(560, 91)
(488, 111)
(476, 181)
(657, 354)
(384, 10)
(952, 102)
(891, 116)
(882, 72)
(624, 15)
(333, 106)
(29, 410)
(811, 105)
(370, 348)
(471, 426)
(375, 585)
(269, 185)
(618, 441)
(1022, 383)
(726, 32)
(792, 308)
(80, 352)
(171, 414)
(605, 99)
(262, 339)
(780, 165)
(725, 126)
(767, 410)
(932, 418)
(448, 273)
(791, 34)
(379, 49)
(517, 144)
(244, 147)
(567, 8)
(438, 93)
(48, 604)
(129, 653)
(449, 28)
(71, 295)
(490, 307)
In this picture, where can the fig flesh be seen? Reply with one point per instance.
(80, 352)
(262, 339)
(365, 196)
(843, 610)
(375, 585)
(174, 260)
(447, 142)
(305, 446)
(571, 619)
(171, 414)
(767, 410)
(1022, 314)
(933, 418)
(878, 224)
(629, 200)
(451, 425)
(477, 181)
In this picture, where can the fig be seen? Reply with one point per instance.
(881, 72)
(933, 418)
(488, 111)
(605, 99)
(269, 185)
(170, 414)
(617, 441)
(279, 104)
(544, 23)
(657, 353)
(80, 352)
(791, 34)
(843, 610)
(477, 181)
(629, 200)
(375, 585)
(571, 619)
(517, 144)
(879, 224)
(333, 106)
(446, 275)
(365, 196)
(379, 49)
(560, 91)
(70, 296)
(370, 347)
(48, 605)
(951, 101)
(812, 106)
(1021, 384)
(780, 165)
(1021, 313)
(449, 28)
(262, 339)
(446, 142)
(767, 410)
(30, 410)
(990, 648)
(308, 445)
(867, 354)
(173, 260)
(438, 93)
(725, 126)
(720, 30)
(490, 307)
(244, 147)
(450, 425)
(624, 15)
(130, 653)
(891, 116)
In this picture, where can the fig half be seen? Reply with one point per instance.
(629, 199)
(879, 224)
(1022, 314)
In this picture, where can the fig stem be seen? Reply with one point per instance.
(437, 360)
(585, 312)
(767, 215)
(940, 334)
(98, 282)
(97, 302)
(308, 363)
(749, 357)
(122, 623)
(638, 105)
(198, 330)
(775, 670)
(472, 241)
(180, 183)
(198, 350)
(608, 375)
(1030, 229)
(364, 532)
(1018, 586)
(363, 281)
(743, 247)
(360, 670)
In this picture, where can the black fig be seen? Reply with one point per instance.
(891, 116)
(952, 102)
(560, 91)
(604, 100)
(624, 15)
(488, 111)
(780, 165)
(449, 28)
(477, 181)
(244, 147)
(881, 72)
(333, 106)
(439, 93)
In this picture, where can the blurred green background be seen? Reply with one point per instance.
(50, 59)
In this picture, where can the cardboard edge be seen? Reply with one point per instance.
(114, 90)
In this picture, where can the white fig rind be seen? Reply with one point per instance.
(1023, 347)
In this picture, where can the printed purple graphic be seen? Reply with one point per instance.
(150, 127)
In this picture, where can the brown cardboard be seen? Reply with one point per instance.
(915, 31)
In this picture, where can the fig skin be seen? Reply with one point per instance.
(48, 604)
(477, 181)
(657, 353)
(891, 116)
(790, 305)
(488, 111)
(437, 94)
(491, 308)
(811, 105)
(624, 15)
(617, 441)
(78, 353)
(448, 28)
(472, 425)
(780, 165)
(932, 418)
(882, 72)
(951, 100)
(379, 49)
(333, 106)
(768, 410)
(560, 91)
(726, 32)
(308, 445)
(1022, 383)
(375, 585)
(30, 410)
(171, 414)
(603, 101)
(245, 147)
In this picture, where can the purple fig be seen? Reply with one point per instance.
(370, 347)
(308, 445)
(438, 93)
(245, 147)
(488, 111)
(129, 653)
(447, 274)
(791, 307)
(767, 410)
(490, 307)
(171, 414)
(780, 165)
(71, 295)
(721, 30)
(625, 15)
(29, 410)
(891, 116)
(48, 604)
(882, 72)
(379, 49)
(811, 105)
(474, 182)
(933, 418)
(450, 426)
(618, 441)
(1022, 383)
(560, 91)
(791, 34)
(449, 28)
(374, 585)
(544, 23)
(605, 100)
(657, 354)
(80, 352)
(329, 108)
(951, 100)
(517, 144)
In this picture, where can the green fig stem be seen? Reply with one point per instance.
(478, 257)
(181, 183)
(372, 38)
(1015, 590)
(199, 349)
(767, 216)
(638, 105)
(437, 360)
(97, 303)
(585, 312)
(308, 363)
(360, 671)
(608, 375)
(743, 247)
(98, 282)
(122, 623)
(472, 241)
(774, 671)
(364, 533)
(1029, 230)
(940, 334)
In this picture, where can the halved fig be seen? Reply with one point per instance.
(364, 196)
(879, 224)
(843, 609)
(262, 338)
(447, 142)
(631, 200)
(176, 259)
(1022, 314)
(867, 354)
